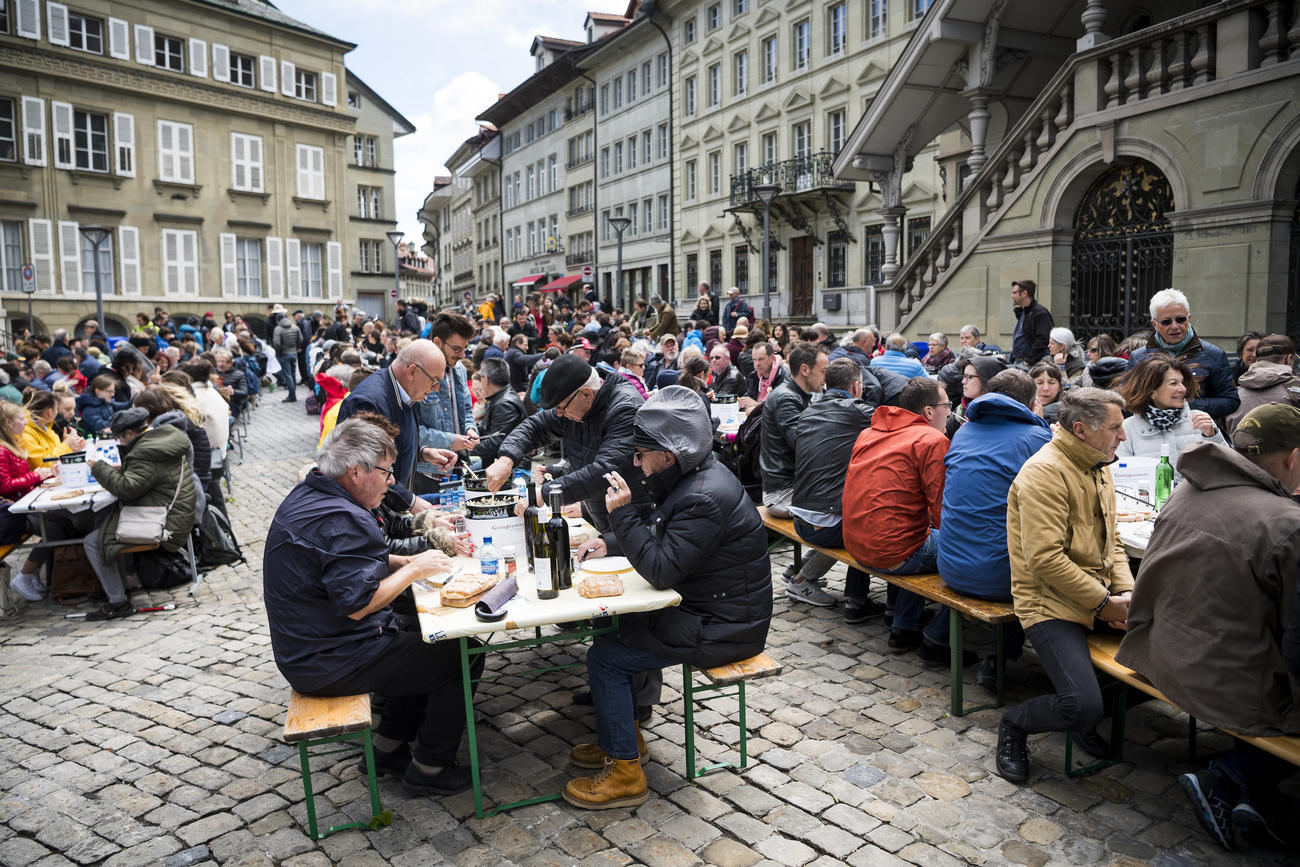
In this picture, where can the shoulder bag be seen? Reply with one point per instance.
(147, 525)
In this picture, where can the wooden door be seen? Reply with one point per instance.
(801, 276)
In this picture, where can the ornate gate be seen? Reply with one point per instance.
(1123, 251)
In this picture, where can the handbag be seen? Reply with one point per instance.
(147, 525)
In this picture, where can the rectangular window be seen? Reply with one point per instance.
(715, 267)
(531, 184)
(835, 131)
(715, 85)
(632, 217)
(618, 93)
(645, 146)
(661, 70)
(90, 141)
(246, 162)
(85, 34)
(740, 73)
(604, 225)
(176, 152)
(740, 273)
(691, 180)
(802, 41)
(873, 244)
(837, 29)
(714, 16)
(8, 131)
(769, 148)
(645, 78)
(688, 30)
(715, 173)
(372, 148)
(242, 68)
(739, 158)
(690, 96)
(802, 136)
(631, 85)
(248, 267)
(878, 10)
(304, 85)
(552, 118)
(104, 265)
(771, 59)
(604, 99)
(739, 7)
(311, 273)
(836, 260)
(180, 261)
(169, 52)
(647, 215)
(311, 172)
(553, 172)
(604, 162)
(692, 269)
(661, 149)
(663, 213)
(11, 245)
(918, 8)
(631, 153)
(918, 230)
(618, 158)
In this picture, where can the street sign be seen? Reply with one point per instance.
(29, 279)
(588, 272)
(392, 292)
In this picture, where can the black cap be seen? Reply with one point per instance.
(128, 419)
(567, 374)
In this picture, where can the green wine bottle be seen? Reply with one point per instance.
(1164, 478)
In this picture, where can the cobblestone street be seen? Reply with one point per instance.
(156, 739)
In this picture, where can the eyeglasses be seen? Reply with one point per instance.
(559, 410)
(432, 378)
(1093, 349)
(967, 377)
(388, 472)
(945, 405)
(1165, 323)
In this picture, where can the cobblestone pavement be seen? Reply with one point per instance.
(156, 740)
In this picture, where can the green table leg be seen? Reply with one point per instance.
(688, 695)
(306, 787)
(955, 647)
(471, 735)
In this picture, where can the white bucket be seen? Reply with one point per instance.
(504, 531)
(73, 471)
(727, 414)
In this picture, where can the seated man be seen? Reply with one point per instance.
(1068, 570)
(724, 377)
(806, 377)
(702, 537)
(768, 373)
(895, 358)
(328, 582)
(1208, 616)
(1000, 434)
(892, 497)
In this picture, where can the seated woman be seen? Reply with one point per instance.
(39, 438)
(1156, 392)
(154, 472)
(1047, 376)
(1065, 352)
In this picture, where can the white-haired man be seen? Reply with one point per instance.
(1173, 334)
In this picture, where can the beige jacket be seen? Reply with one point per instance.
(1065, 551)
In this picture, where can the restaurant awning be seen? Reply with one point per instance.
(530, 280)
(562, 284)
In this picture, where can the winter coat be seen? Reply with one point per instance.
(988, 451)
(95, 413)
(601, 442)
(939, 359)
(17, 479)
(1265, 382)
(893, 490)
(1034, 326)
(199, 457)
(1216, 595)
(151, 465)
(637, 383)
(520, 364)
(1145, 441)
(699, 314)
(667, 323)
(899, 363)
(751, 386)
(286, 339)
(824, 439)
(41, 443)
(1061, 534)
(776, 449)
(700, 535)
(729, 383)
(1217, 393)
(733, 311)
(503, 413)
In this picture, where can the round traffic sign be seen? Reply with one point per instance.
(29, 273)
(588, 272)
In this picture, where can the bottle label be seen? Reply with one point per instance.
(488, 567)
(542, 568)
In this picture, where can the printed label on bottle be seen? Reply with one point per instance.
(542, 567)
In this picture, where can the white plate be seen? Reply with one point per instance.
(606, 565)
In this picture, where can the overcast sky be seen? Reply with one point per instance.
(440, 63)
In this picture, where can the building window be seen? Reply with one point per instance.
(552, 118)
(311, 260)
(354, 99)
(169, 52)
(661, 70)
(647, 215)
(661, 147)
(771, 59)
(715, 173)
(11, 245)
(835, 131)
(553, 172)
(741, 268)
(645, 146)
(104, 265)
(8, 132)
(837, 250)
(740, 73)
(769, 148)
(631, 153)
(837, 29)
(739, 7)
(878, 12)
(311, 172)
(372, 148)
(692, 269)
(739, 158)
(663, 213)
(180, 261)
(714, 16)
(715, 268)
(690, 96)
(691, 180)
(802, 140)
(248, 268)
(377, 256)
(531, 183)
(618, 93)
(368, 202)
(632, 217)
(715, 85)
(645, 78)
(618, 158)
(873, 238)
(918, 230)
(802, 37)
(246, 162)
(85, 34)
(242, 70)
(90, 141)
(918, 8)
(175, 152)
(631, 85)
(688, 30)
(304, 84)
(604, 99)
(604, 162)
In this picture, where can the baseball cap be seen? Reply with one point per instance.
(1273, 427)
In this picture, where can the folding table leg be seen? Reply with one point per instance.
(688, 697)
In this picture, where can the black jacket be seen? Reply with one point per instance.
(781, 411)
(1035, 325)
(503, 413)
(409, 322)
(601, 442)
(751, 384)
(824, 438)
(521, 364)
(730, 383)
(378, 393)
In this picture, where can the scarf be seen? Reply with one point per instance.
(765, 383)
(1175, 348)
(1165, 420)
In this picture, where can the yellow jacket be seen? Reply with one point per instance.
(1065, 550)
(41, 443)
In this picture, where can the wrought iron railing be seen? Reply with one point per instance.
(799, 175)
(577, 161)
(581, 257)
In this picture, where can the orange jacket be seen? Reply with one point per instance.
(893, 491)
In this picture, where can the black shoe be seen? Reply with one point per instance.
(583, 697)
(644, 712)
(1265, 825)
(448, 780)
(289, 400)
(927, 614)
(939, 654)
(1013, 754)
(109, 611)
(1206, 790)
(987, 675)
(903, 640)
(862, 613)
(389, 764)
(1093, 744)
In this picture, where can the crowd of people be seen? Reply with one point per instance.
(989, 467)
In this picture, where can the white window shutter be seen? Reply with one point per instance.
(119, 39)
(34, 131)
(185, 152)
(56, 23)
(62, 114)
(41, 236)
(238, 156)
(286, 77)
(29, 19)
(144, 45)
(166, 151)
(293, 267)
(255, 163)
(128, 252)
(220, 62)
(304, 169)
(318, 173)
(334, 262)
(267, 73)
(198, 58)
(274, 269)
(70, 258)
(329, 88)
(229, 276)
(124, 134)
(190, 263)
(170, 261)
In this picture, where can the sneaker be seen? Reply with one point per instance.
(29, 586)
(1205, 790)
(447, 780)
(808, 591)
(987, 675)
(1012, 754)
(861, 613)
(941, 654)
(1263, 826)
(903, 640)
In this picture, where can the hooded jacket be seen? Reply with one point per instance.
(152, 464)
(1265, 382)
(334, 390)
(1207, 619)
(987, 367)
(96, 412)
(1000, 434)
(286, 339)
(699, 535)
(824, 441)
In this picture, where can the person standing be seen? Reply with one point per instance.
(285, 342)
(1034, 324)
(666, 320)
(446, 413)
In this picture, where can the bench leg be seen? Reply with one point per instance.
(956, 627)
(744, 731)
(688, 696)
(306, 789)
(1118, 720)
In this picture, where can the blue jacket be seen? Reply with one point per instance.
(987, 452)
(378, 393)
(1216, 391)
(96, 413)
(437, 426)
(899, 363)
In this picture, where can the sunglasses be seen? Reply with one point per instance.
(1171, 320)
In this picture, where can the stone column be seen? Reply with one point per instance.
(979, 126)
(891, 233)
(1093, 16)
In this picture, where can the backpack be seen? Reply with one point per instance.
(217, 544)
(312, 404)
(160, 570)
(749, 440)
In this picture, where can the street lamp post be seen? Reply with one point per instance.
(96, 235)
(766, 193)
(620, 225)
(396, 237)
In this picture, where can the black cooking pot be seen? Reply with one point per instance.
(498, 505)
(476, 485)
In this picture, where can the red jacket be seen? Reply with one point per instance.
(334, 390)
(893, 491)
(16, 477)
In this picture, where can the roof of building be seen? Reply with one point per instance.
(555, 43)
(539, 85)
(266, 11)
(401, 126)
(607, 16)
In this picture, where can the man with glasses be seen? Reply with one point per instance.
(446, 413)
(1034, 324)
(1171, 320)
(893, 498)
(724, 377)
(394, 393)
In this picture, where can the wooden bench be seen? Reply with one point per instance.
(960, 607)
(720, 677)
(313, 721)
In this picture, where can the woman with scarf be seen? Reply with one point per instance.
(1157, 392)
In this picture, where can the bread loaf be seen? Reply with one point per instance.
(464, 590)
(595, 586)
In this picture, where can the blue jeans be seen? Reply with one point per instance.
(857, 583)
(611, 667)
(908, 606)
(1062, 647)
(287, 363)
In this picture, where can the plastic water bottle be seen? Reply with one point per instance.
(521, 485)
(1164, 478)
(489, 561)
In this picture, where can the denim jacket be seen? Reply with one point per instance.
(435, 412)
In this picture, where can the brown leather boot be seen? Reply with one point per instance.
(620, 783)
(592, 756)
